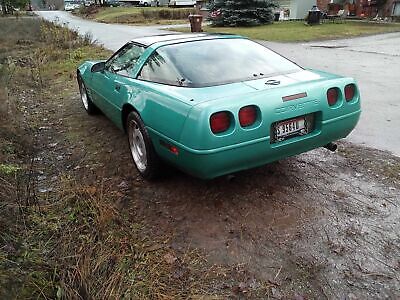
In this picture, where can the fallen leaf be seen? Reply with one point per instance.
(170, 258)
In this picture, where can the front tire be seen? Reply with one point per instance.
(88, 105)
(142, 150)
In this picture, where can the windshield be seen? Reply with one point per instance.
(214, 62)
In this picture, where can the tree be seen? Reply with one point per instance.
(241, 12)
(380, 4)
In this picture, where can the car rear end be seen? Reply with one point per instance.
(249, 106)
(239, 132)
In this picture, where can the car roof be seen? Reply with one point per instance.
(171, 38)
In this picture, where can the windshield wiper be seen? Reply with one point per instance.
(183, 81)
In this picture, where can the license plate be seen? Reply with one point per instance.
(290, 127)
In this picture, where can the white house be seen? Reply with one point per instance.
(295, 9)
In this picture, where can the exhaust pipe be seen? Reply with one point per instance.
(331, 147)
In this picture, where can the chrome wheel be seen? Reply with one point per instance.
(84, 96)
(137, 146)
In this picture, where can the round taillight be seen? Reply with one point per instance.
(349, 91)
(220, 122)
(247, 115)
(332, 96)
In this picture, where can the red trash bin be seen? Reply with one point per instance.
(195, 23)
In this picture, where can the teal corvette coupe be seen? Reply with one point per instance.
(216, 104)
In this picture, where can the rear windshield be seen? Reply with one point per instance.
(213, 62)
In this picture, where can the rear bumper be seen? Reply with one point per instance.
(211, 163)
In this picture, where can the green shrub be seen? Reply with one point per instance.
(242, 13)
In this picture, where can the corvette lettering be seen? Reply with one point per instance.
(296, 106)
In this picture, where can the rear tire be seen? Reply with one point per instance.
(87, 103)
(141, 147)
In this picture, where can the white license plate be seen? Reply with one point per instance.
(290, 127)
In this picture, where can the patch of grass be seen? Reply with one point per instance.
(8, 169)
(137, 15)
(13, 30)
(61, 37)
(103, 254)
(32, 54)
(297, 31)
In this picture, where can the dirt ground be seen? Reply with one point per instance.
(318, 225)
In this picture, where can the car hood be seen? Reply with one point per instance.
(195, 96)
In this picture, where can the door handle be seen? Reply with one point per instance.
(117, 87)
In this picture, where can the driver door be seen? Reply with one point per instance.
(111, 84)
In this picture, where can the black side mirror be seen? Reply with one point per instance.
(98, 67)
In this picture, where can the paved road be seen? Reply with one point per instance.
(111, 36)
(374, 61)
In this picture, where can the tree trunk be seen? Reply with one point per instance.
(3, 6)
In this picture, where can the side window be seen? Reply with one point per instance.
(160, 70)
(124, 62)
